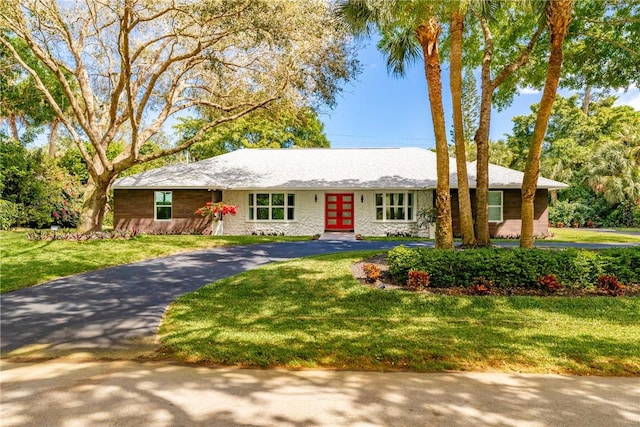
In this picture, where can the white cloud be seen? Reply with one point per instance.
(529, 91)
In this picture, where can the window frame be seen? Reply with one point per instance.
(287, 207)
(408, 205)
(501, 206)
(156, 206)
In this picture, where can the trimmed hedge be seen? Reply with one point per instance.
(508, 267)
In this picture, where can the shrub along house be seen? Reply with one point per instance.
(374, 192)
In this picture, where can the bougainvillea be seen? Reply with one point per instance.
(217, 210)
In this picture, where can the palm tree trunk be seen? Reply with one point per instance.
(427, 35)
(558, 19)
(464, 198)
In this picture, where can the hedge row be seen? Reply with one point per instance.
(516, 267)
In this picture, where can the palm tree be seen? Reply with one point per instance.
(558, 14)
(408, 27)
(614, 170)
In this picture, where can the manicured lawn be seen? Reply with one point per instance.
(27, 263)
(589, 236)
(312, 313)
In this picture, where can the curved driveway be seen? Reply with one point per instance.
(110, 308)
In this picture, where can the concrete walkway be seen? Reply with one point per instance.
(158, 394)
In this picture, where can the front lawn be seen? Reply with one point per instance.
(312, 313)
(586, 235)
(27, 263)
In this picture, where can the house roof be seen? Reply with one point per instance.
(389, 168)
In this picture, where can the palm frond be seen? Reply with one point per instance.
(401, 49)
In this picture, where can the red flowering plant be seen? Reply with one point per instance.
(216, 211)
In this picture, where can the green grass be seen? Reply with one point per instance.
(27, 263)
(312, 313)
(588, 236)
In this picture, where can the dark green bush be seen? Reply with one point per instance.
(516, 267)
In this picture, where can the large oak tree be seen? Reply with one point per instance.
(127, 66)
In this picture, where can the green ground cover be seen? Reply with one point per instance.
(312, 313)
(27, 263)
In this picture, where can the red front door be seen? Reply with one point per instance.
(339, 212)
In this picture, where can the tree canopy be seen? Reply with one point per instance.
(136, 63)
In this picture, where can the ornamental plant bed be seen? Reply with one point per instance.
(387, 282)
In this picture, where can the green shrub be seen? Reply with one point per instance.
(9, 214)
(516, 267)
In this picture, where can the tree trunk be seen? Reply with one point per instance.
(586, 100)
(94, 206)
(464, 198)
(482, 144)
(53, 137)
(558, 19)
(427, 35)
(13, 126)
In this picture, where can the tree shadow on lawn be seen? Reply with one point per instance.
(336, 322)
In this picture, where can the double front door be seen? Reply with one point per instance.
(339, 211)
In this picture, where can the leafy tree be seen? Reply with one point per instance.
(558, 13)
(22, 101)
(409, 29)
(137, 63)
(42, 192)
(281, 125)
(500, 59)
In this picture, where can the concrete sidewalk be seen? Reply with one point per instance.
(72, 393)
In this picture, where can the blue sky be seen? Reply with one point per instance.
(380, 110)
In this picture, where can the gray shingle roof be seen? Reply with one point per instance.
(392, 168)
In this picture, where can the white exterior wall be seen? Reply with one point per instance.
(310, 214)
(368, 225)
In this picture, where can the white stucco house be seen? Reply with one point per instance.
(373, 192)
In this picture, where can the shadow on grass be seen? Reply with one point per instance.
(317, 315)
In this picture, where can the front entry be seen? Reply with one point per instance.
(339, 212)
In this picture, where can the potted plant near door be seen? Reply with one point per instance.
(217, 211)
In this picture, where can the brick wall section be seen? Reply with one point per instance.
(135, 209)
(511, 205)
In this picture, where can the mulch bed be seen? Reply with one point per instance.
(387, 282)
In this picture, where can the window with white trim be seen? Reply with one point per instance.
(163, 205)
(272, 206)
(495, 206)
(394, 206)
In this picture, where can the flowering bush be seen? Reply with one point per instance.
(217, 210)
